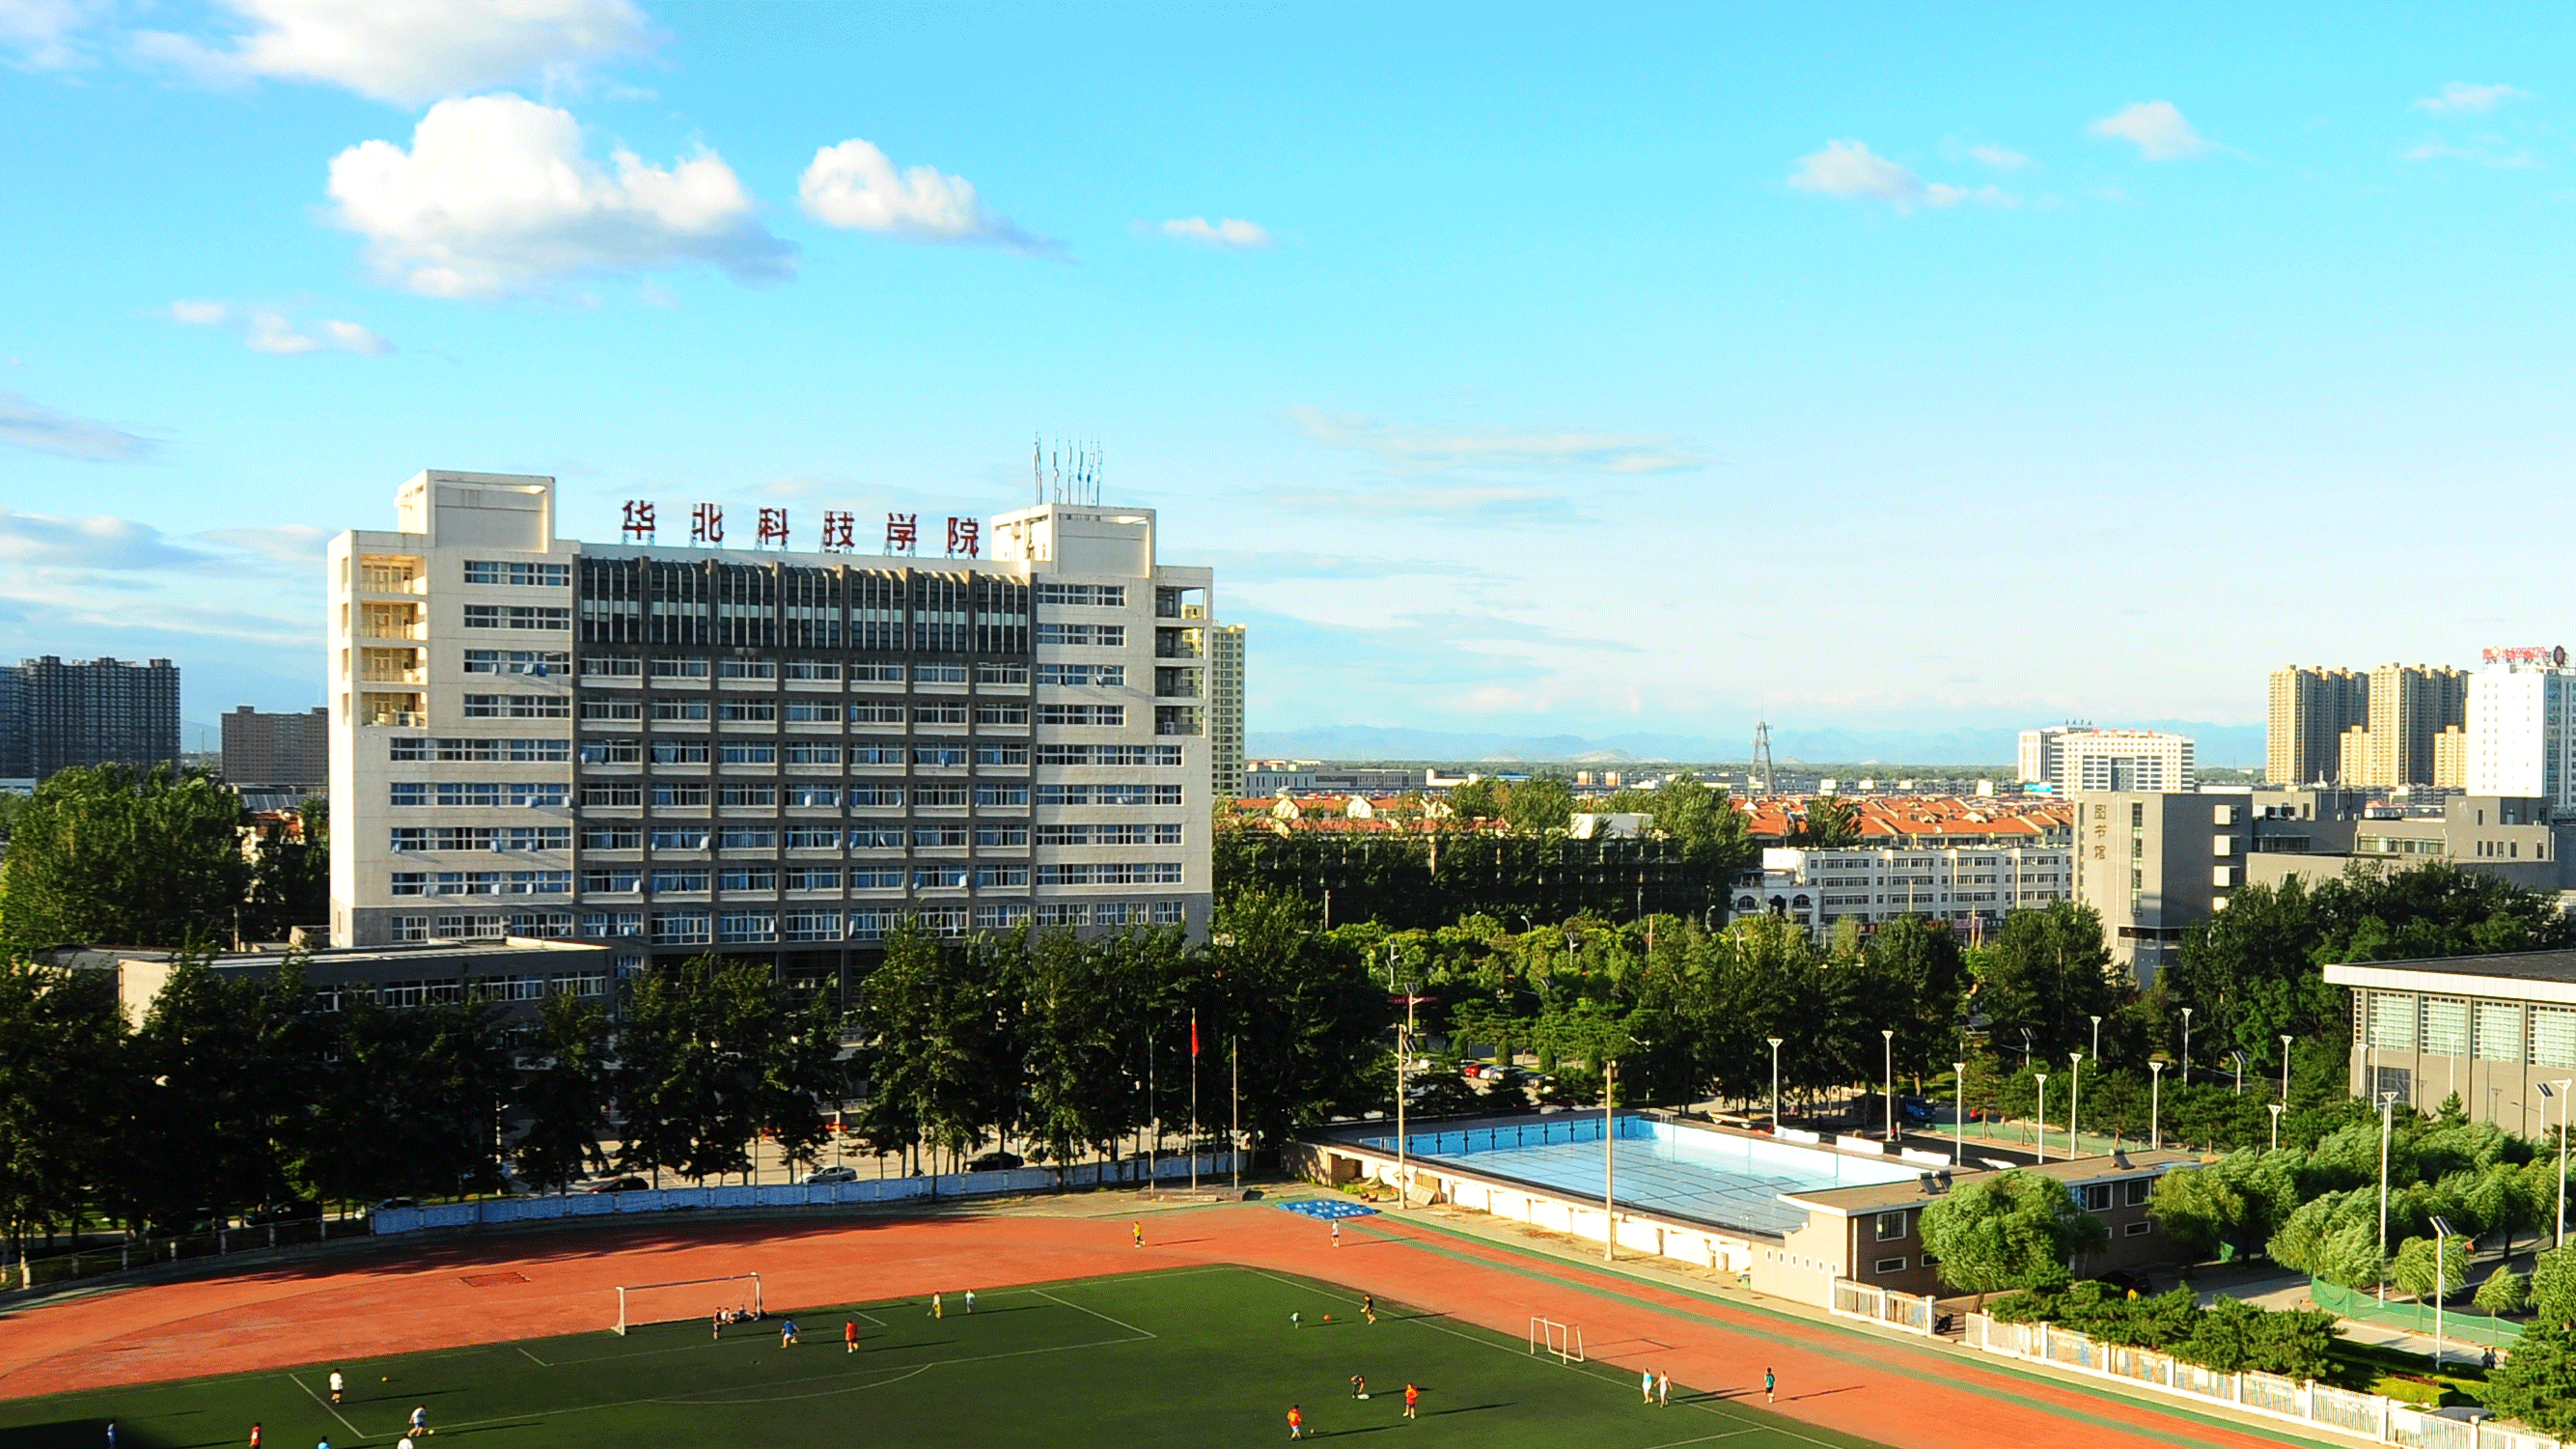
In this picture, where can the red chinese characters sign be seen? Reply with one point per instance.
(2554, 655)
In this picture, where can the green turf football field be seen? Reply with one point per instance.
(1189, 1357)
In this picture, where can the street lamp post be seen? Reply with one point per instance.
(2560, 1093)
(2276, 1126)
(2074, 1100)
(2186, 1044)
(1609, 1157)
(2097, 1041)
(2441, 1285)
(1959, 1118)
(2155, 1104)
(2042, 1110)
(1775, 1086)
(2387, 1122)
(2025, 1048)
(1887, 1035)
(2285, 1071)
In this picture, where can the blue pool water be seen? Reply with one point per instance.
(1707, 1177)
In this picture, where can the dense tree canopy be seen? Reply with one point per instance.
(2013, 1230)
(112, 857)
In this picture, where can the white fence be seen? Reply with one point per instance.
(1896, 1310)
(2367, 1415)
(495, 1211)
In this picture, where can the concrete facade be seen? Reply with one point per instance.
(669, 750)
(2490, 1028)
(2153, 864)
(61, 714)
(1869, 886)
(290, 751)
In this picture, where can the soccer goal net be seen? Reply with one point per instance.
(1563, 1340)
(701, 1298)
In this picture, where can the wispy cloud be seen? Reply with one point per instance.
(290, 545)
(263, 330)
(1494, 504)
(1231, 234)
(123, 545)
(1851, 171)
(40, 429)
(2157, 129)
(1423, 448)
(1271, 565)
(2002, 158)
(2459, 98)
(855, 187)
(42, 32)
(2499, 155)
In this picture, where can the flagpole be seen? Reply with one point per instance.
(1194, 1101)
(1234, 1138)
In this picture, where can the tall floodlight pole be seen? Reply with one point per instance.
(1775, 1086)
(2074, 1100)
(1888, 1037)
(1194, 1101)
(2097, 1041)
(1234, 1135)
(2276, 1125)
(1959, 1118)
(2042, 1112)
(2186, 1044)
(1609, 1157)
(1403, 1070)
(2155, 1104)
(2285, 1071)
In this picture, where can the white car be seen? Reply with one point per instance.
(821, 1176)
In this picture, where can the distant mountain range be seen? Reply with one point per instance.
(2240, 745)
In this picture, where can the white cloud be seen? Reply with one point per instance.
(40, 429)
(1463, 505)
(293, 545)
(1417, 448)
(855, 187)
(1231, 234)
(410, 51)
(2462, 98)
(2157, 128)
(1850, 170)
(273, 332)
(495, 196)
(2002, 158)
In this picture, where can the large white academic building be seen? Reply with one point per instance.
(2522, 727)
(669, 750)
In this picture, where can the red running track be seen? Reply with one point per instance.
(411, 1298)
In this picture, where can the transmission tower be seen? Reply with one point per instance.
(1757, 780)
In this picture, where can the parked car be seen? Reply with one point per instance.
(620, 1184)
(288, 1212)
(994, 1161)
(823, 1175)
(390, 1203)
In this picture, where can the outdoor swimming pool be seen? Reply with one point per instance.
(1707, 1177)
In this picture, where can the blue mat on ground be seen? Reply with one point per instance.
(1329, 1207)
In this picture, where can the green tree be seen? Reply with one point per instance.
(2553, 1286)
(1543, 806)
(2413, 1268)
(62, 1083)
(2537, 1383)
(2505, 1291)
(229, 1072)
(2014, 1230)
(2049, 971)
(290, 881)
(410, 1103)
(2233, 1336)
(1312, 1019)
(102, 855)
(564, 1093)
(1830, 823)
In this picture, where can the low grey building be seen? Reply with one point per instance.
(2490, 1028)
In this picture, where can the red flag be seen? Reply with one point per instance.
(1194, 1033)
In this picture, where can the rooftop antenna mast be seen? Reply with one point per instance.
(1037, 467)
(1758, 778)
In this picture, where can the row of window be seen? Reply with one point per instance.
(1109, 835)
(698, 880)
(538, 662)
(823, 837)
(516, 616)
(538, 794)
(1084, 596)
(481, 751)
(2493, 1031)
(408, 838)
(732, 709)
(751, 927)
(631, 751)
(538, 575)
(699, 794)
(1084, 676)
(482, 883)
(1136, 872)
(614, 666)
(545, 925)
(1101, 636)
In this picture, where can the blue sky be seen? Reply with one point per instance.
(1522, 370)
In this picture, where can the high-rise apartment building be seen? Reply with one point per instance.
(55, 715)
(1225, 710)
(2311, 709)
(289, 751)
(2080, 757)
(672, 750)
(2410, 704)
(2521, 736)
